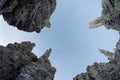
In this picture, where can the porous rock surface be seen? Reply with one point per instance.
(110, 15)
(17, 62)
(27, 15)
(110, 18)
(103, 71)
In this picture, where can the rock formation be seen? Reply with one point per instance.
(103, 71)
(110, 15)
(27, 15)
(17, 62)
(106, 71)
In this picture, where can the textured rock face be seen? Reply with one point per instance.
(106, 71)
(110, 16)
(17, 62)
(27, 15)
(103, 71)
(40, 70)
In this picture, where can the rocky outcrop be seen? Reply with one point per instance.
(27, 15)
(103, 71)
(106, 71)
(17, 62)
(110, 15)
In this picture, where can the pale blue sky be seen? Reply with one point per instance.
(74, 45)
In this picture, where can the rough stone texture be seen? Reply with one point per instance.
(106, 71)
(40, 70)
(27, 15)
(110, 16)
(17, 62)
(103, 71)
(111, 13)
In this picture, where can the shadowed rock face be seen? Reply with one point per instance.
(27, 15)
(17, 62)
(103, 71)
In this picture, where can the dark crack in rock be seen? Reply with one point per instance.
(28, 15)
(17, 62)
(103, 71)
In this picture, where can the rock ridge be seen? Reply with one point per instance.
(17, 62)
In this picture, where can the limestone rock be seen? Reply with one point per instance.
(17, 62)
(110, 16)
(107, 54)
(27, 15)
(103, 71)
(40, 70)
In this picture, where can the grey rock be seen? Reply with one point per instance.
(110, 16)
(13, 57)
(118, 45)
(40, 70)
(28, 15)
(106, 71)
(111, 13)
(103, 71)
(17, 62)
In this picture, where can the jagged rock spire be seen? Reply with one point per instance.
(47, 53)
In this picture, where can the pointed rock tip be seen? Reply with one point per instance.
(47, 53)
